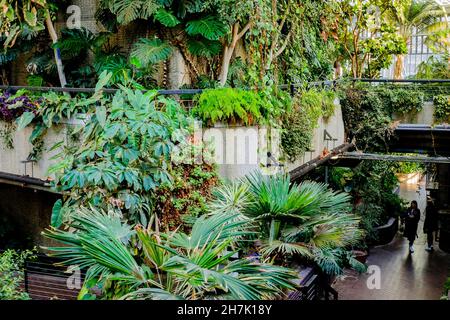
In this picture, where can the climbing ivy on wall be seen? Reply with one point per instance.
(441, 108)
(368, 112)
(299, 122)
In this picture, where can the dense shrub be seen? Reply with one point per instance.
(441, 108)
(11, 274)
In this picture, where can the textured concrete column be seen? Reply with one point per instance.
(178, 74)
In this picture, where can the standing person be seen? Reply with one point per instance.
(411, 220)
(430, 224)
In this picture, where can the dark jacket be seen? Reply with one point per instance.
(431, 222)
(411, 218)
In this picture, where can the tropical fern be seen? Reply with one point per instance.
(229, 104)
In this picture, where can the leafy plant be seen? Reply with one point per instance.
(306, 220)
(433, 68)
(302, 118)
(366, 119)
(230, 105)
(12, 106)
(441, 108)
(11, 274)
(124, 154)
(181, 202)
(141, 264)
(401, 101)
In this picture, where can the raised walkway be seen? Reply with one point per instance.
(404, 276)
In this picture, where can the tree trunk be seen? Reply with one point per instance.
(398, 68)
(57, 52)
(226, 60)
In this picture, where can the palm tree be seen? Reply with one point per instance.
(420, 16)
(306, 220)
(137, 263)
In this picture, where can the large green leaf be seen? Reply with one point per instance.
(204, 47)
(151, 51)
(24, 120)
(166, 18)
(209, 27)
(57, 216)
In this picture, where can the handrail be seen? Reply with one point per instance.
(92, 90)
(399, 80)
(292, 86)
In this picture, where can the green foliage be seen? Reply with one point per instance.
(166, 18)
(18, 17)
(410, 167)
(366, 119)
(297, 134)
(210, 27)
(375, 50)
(441, 108)
(141, 264)
(382, 49)
(433, 68)
(186, 198)
(130, 10)
(372, 187)
(230, 105)
(124, 153)
(11, 274)
(446, 291)
(401, 101)
(302, 118)
(306, 220)
(204, 47)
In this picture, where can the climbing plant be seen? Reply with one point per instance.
(441, 108)
(180, 203)
(300, 120)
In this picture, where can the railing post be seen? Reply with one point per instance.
(25, 276)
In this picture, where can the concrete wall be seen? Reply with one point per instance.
(238, 150)
(10, 159)
(334, 126)
(425, 116)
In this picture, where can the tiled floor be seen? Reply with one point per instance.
(420, 275)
